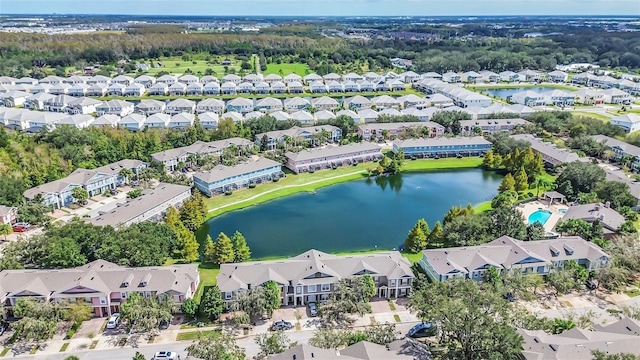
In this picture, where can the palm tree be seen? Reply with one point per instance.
(126, 174)
(544, 183)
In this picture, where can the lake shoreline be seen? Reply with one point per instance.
(282, 192)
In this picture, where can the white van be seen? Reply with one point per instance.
(166, 355)
(113, 322)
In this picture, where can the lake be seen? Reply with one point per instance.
(359, 215)
(505, 93)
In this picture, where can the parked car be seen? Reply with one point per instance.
(166, 355)
(281, 325)
(19, 229)
(164, 324)
(591, 284)
(25, 225)
(3, 327)
(313, 309)
(113, 322)
(424, 329)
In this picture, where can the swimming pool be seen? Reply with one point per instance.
(540, 216)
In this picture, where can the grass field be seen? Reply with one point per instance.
(193, 335)
(306, 182)
(592, 115)
(198, 64)
(286, 69)
(208, 273)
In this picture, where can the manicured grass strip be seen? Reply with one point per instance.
(594, 115)
(632, 292)
(307, 182)
(373, 320)
(34, 349)
(122, 342)
(392, 306)
(482, 207)
(193, 335)
(208, 273)
(64, 347)
(5, 351)
(396, 317)
(93, 345)
(298, 326)
(286, 69)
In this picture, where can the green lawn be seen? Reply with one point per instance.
(286, 69)
(193, 335)
(307, 182)
(592, 115)
(633, 292)
(482, 207)
(208, 273)
(175, 65)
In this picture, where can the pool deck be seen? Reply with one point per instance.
(530, 207)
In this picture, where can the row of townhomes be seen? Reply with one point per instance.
(151, 205)
(101, 284)
(186, 155)
(312, 275)
(182, 113)
(296, 135)
(332, 156)
(57, 193)
(442, 146)
(551, 154)
(393, 130)
(626, 81)
(569, 98)
(404, 349)
(223, 178)
(508, 254)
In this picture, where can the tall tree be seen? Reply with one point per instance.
(521, 180)
(79, 194)
(474, 320)
(189, 308)
(416, 240)
(216, 346)
(272, 297)
(223, 250)
(508, 221)
(508, 183)
(437, 234)
(212, 304)
(187, 243)
(209, 251)
(241, 250)
(274, 343)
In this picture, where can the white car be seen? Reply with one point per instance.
(166, 355)
(113, 322)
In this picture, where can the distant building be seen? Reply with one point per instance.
(330, 156)
(8, 214)
(442, 146)
(224, 178)
(628, 122)
(551, 154)
(610, 219)
(507, 254)
(151, 205)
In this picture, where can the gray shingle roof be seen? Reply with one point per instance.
(221, 172)
(442, 141)
(331, 151)
(611, 220)
(548, 149)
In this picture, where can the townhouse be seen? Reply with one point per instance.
(405, 349)
(135, 89)
(442, 146)
(115, 107)
(385, 102)
(104, 286)
(332, 156)
(304, 117)
(151, 205)
(325, 103)
(620, 148)
(57, 194)
(79, 121)
(531, 76)
(158, 120)
(312, 275)
(528, 98)
(368, 115)
(228, 88)
(324, 115)
(14, 98)
(145, 80)
(170, 158)
(8, 215)
(116, 89)
(180, 106)
(628, 122)
(471, 77)
(334, 86)
(557, 76)
(297, 103)
(589, 97)
(98, 90)
(490, 126)
(224, 178)
(106, 121)
(559, 98)
(177, 89)
(39, 121)
(36, 101)
(357, 102)
(211, 88)
(617, 96)
(610, 219)
(149, 107)
(269, 105)
(58, 103)
(622, 177)
(209, 120)
(350, 114)
(295, 87)
(240, 105)
(78, 89)
(551, 154)
(133, 122)
(297, 134)
(508, 254)
(509, 76)
(392, 130)
(159, 88)
(412, 101)
(82, 105)
(210, 105)
(489, 76)
(618, 337)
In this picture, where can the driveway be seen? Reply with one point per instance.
(90, 328)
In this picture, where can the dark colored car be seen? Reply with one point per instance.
(423, 330)
(281, 325)
(591, 284)
(313, 309)
(164, 324)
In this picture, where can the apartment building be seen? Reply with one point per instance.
(332, 156)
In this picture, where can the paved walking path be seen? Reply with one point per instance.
(285, 187)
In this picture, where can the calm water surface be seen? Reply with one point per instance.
(505, 93)
(358, 215)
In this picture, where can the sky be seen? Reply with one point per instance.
(324, 7)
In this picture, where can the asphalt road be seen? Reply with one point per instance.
(302, 337)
